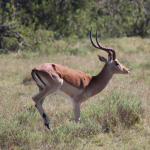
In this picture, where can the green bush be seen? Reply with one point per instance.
(117, 109)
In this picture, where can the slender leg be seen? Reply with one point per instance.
(41, 111)
(44, 115)
(37, 98)
(76, 107)
(42, 100)
(46, 87)
(39, 103)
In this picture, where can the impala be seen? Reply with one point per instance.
(75, 85)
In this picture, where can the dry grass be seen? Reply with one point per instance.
(22, 127)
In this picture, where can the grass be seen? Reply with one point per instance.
(117, 118)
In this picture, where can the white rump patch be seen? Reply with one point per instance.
(38, 81)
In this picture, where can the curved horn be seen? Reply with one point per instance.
(92, 40)
(108, 50)
(100, 47)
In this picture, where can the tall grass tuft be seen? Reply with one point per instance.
(117, 109)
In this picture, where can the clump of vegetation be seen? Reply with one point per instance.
(117, 109)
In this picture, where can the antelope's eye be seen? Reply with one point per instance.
(116, 63)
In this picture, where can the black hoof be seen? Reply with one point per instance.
(35, 106)
(47, 125)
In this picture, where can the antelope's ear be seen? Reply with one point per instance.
(102, 59)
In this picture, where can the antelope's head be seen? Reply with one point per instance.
(114, 65)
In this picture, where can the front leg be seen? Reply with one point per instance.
(76, 108)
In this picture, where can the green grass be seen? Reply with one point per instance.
(117, 118)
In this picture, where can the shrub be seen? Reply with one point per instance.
(117, 109)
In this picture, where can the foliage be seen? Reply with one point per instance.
(111, 18)
(52, 20)
(118, 109)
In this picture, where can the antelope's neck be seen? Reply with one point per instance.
(99, 82)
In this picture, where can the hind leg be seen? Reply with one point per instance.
(39, 101)
(46, 87)
(42, 112)
(42, 100)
